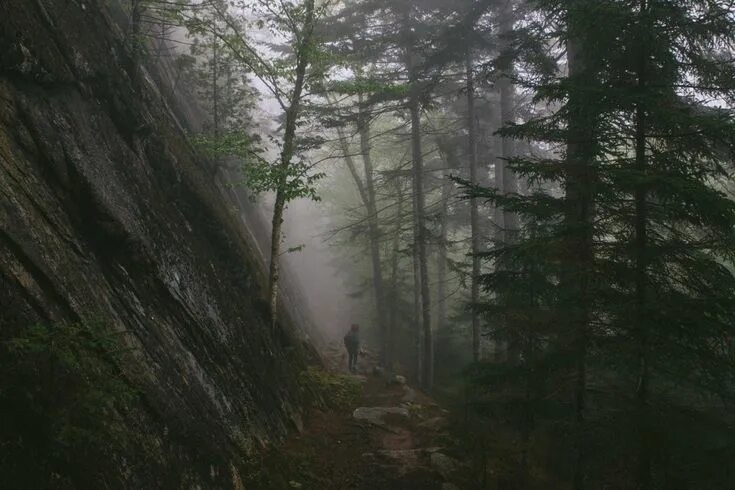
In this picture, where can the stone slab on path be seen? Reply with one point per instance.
(377, 415)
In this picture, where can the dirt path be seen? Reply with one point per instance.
(391, 437)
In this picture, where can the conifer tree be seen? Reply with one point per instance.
(622, 275)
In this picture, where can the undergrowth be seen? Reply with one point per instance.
(62, 403)
(334, 391)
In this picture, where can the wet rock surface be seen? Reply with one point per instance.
(107, 213)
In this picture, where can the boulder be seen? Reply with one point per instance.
(434, 423)
(443, 464)
(402, 460)
(411, 455)
(376, 415)
(409, 395)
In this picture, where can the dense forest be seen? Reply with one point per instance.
(527, 205)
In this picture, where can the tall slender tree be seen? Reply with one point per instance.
(475, 229)
(365, 184)
(288, 82)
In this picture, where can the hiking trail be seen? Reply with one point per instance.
(392, 436)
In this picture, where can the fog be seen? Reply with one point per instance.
(324, 283)
(553, 179)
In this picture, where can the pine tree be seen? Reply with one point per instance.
(676, 226)
(622, 274)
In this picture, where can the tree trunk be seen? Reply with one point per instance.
(499, 345)
(441, 312)
(287, 154)
(641, 265)
(418, 177)
(417, 310)
(215, 87)
(507, 115)
(474, 208)
(274, 271)
(424, 335)
(374, 231)
(579, 187)
(229, 98)
(506, 182)
(393, 310)
(529, 402)
(352, 167)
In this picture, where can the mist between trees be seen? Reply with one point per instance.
(528, 205)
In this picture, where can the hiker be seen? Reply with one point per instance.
(352, 343)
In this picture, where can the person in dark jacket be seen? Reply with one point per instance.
(352, 343)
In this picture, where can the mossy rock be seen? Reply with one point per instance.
(334, 391)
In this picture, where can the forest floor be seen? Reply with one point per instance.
(391, 436)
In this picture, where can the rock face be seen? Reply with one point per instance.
(106, 213)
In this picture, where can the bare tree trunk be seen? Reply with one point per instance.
(474, 208)
(352, 167)
(287, 154)
(417, 310)
(393, 309)
(274, 270)
(374, 231)
(441, 313)
(418, 177)
(449, 156)
(229, 98)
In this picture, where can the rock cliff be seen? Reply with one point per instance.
(108, 215)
